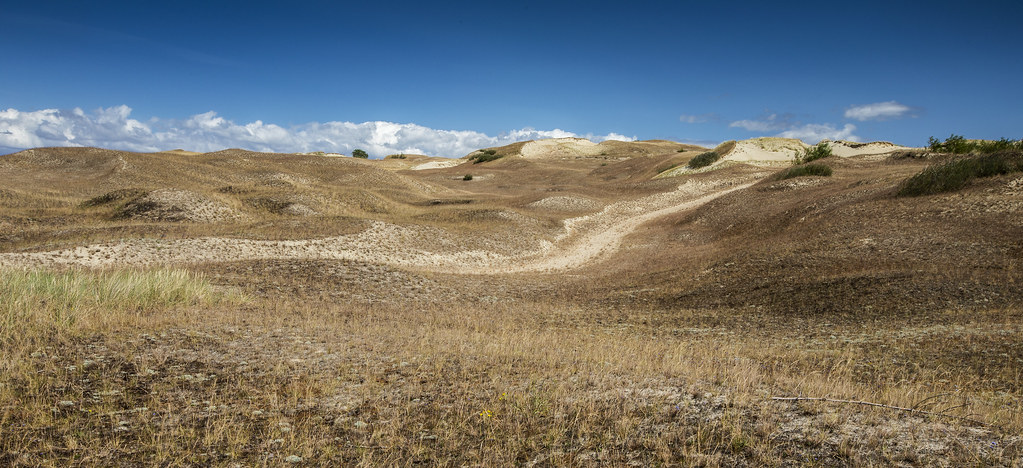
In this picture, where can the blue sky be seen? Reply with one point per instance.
(415, 76)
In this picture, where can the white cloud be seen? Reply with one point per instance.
(113, 128)
(813, 133)
(786, 128)
(771, 123)
(698, 118)
(877, 111)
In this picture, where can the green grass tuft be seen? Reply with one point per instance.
(34, 300)
(819, 151)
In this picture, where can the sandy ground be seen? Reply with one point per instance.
(438, 164)
(847, 149)
(583, 240)
(771, 149)
(765, 149)
(560, 148)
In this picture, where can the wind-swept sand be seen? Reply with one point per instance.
(560, 147)
(438, 164)
(765, 149)
(771, 149)
(583, 240)
(847, 149)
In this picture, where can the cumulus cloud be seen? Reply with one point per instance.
(784, 126)
(113, 128)
(813, 133)
(877, 111)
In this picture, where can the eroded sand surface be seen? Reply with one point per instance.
(584, 239)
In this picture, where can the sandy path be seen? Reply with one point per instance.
(585, 239)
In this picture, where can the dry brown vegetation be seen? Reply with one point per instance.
(664, 349)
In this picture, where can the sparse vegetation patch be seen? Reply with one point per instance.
(116, 195)
(955, 174)
(958, 144)
(704, 160)
(486, 155)
(819, 170)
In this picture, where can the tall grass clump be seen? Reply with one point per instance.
(704, 160)
(955, 174)
(958, 144)
(807, 170)
(35, 300)
(819, 151)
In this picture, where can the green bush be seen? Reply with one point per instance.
(807, 170)
(358, 153)
(955, 174)
(703, 160)
(958, 144)
(485, 156)
(819, 151)
(467, 177)
(397, 156)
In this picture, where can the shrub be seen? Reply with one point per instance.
(955, 174)
(819, 151)
(397, 156)
(957, 144)
(485, 156)
(358, 153)
(467, 177)
(703, 160)
(807, 170)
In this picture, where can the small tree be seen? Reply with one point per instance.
(358, 153)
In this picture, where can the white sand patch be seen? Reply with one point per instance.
(765, 149)
(773, 150)
(560, 148)
(847, 149)
(584, 240)
(438, 164)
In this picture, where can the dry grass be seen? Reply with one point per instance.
(529, 382)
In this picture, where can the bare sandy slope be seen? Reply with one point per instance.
(437, 164)
(847, 149)
(771, 149)
(584, 239)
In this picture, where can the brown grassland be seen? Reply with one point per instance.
(250, 309)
